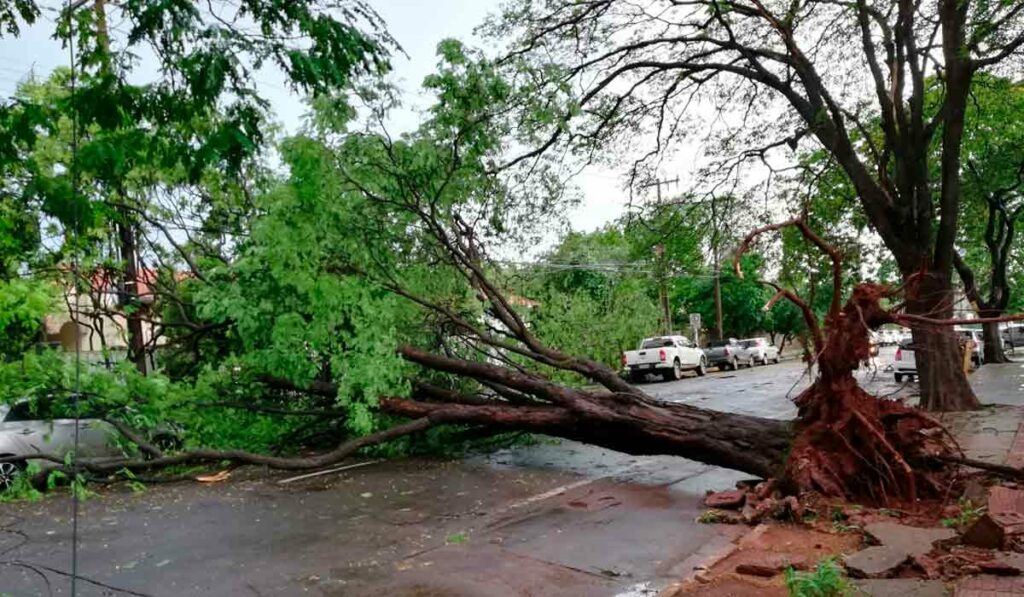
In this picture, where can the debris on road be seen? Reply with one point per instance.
(326, 472)
(730, 500)
(217, 477)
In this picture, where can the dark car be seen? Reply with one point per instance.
(726, 354)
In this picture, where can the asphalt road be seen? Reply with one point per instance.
(554, 518)
(767, 391)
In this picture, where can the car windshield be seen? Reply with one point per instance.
(656, 343)
(751, 343)
(718, 343)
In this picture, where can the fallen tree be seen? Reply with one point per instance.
(421, 200)
(844, 443)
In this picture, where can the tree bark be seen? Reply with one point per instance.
(633, 424)
(944, 385)
(993, 343)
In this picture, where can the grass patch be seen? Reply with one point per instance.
(828, 579)
(969, 513)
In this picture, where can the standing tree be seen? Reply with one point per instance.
(614, 72)
(993, 201)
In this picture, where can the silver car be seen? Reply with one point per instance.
(24, 434)
(760, 350)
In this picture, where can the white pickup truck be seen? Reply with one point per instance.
(667, 356)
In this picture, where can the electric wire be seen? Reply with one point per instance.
(74, 268)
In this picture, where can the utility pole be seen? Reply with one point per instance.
(659, 252)
(718, 271)
(666, 311)
(127, 237)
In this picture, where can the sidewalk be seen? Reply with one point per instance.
(1000, 383)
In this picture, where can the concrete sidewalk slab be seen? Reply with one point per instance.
(999, 383)
(989, 434)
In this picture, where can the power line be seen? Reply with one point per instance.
(78, 343)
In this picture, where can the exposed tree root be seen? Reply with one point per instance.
(850, 444)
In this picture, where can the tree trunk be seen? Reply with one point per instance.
(993, 342)
(944, 385)
(633, 424)
(130, 293)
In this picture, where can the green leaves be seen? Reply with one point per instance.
(15, 13)
(23, 304)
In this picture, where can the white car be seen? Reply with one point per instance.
(889, 337)
(667, 356)
(24, 434)
(760, 350)
(905, 363)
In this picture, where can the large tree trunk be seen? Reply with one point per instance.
(944, 385)
(634, 424)
(993, 342)
(627, 421)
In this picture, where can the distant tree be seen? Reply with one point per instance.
(993, 201)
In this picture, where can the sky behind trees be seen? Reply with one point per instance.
(418, 26)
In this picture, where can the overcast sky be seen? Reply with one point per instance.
(417, 25)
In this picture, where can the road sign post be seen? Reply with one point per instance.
(695, 326)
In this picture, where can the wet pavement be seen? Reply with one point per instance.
(553, 518)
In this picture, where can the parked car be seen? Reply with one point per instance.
(760, 350)
(26, 432)
(727, 354)
(667, 356)
(905, 362)
(1013, 335)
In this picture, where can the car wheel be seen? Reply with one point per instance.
(702, 368)
(675, 373)
(733, 364)
(777, 359)
(9, 473)
(899, 377)
(764, 361)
